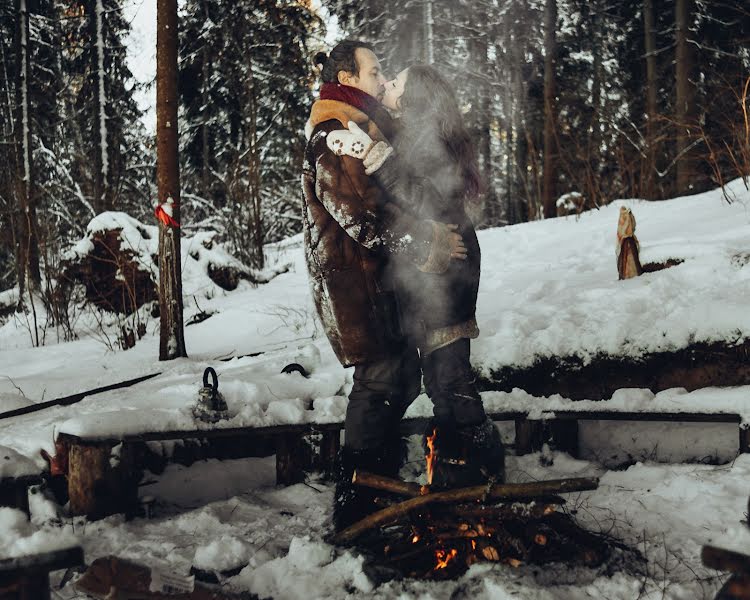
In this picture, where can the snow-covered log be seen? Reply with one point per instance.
(699, 365)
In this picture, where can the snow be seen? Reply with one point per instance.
(548, 288)
(14, 464)
(18, 537)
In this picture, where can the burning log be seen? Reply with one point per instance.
(386, 484)
(506, 492)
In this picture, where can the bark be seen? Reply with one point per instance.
(684, 95)
(254, 173)
(26, 232)
(386, 484)
(171, 334)
(429, 42)
(504, 492)
(651, 98)
(102, 196)
(521, 189)
(550, 109)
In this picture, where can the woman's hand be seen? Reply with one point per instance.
(458, 249)
(352, 142)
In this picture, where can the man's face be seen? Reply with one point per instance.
(370, 78)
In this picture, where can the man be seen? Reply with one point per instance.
(351, 227)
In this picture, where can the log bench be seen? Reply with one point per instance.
(27, 577)
(103, 474)
(561, 426)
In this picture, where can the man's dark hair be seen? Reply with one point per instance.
(341, 58)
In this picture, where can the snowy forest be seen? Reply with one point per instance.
(584, 101)
(199, 344)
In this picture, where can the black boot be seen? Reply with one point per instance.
(351, 502)
(464, 456)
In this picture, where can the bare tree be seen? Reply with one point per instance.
(172, 335)
(550, 109)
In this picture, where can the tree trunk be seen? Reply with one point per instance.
(684, 95)
(550, 117)
(429, 48)
(651, 99)
(102, 196)
(520, 176)
(27, 243)
(171, 334)
(254, 173)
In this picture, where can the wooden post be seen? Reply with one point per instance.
(288, 459)
(565, 435)
(15, 492)
(27, 577)
(330, 445)
(744, 439)
(529, 435)
(101, 482)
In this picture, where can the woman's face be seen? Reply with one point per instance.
(394, 89)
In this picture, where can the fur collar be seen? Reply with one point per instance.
(327, 110)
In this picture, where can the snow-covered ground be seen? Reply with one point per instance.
(548, 288)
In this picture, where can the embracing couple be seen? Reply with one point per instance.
(394, 266)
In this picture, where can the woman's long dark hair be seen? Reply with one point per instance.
(428, 99)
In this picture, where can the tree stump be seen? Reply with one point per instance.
(102, 479)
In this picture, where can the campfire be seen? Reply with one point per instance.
(439, 534)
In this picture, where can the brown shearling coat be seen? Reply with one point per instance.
(351, 227)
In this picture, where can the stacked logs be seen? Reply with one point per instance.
(440, 534)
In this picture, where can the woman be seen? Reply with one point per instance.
(431, 171)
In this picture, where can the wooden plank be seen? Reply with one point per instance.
(52, 560)
(68, 400)
(606, 415)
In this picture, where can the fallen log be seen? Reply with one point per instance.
(113, 577)
(700, 365)
(506, 492)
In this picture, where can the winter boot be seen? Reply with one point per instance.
(464, 456)
(351, 502)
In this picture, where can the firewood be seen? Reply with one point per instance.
(386, 484)
(505, 511)
(725, 560)
(499, 492)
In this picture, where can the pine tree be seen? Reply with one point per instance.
(245, 114)
(171, 332)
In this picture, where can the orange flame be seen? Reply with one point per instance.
(430, 458)
(415, 539)
(443, 558)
